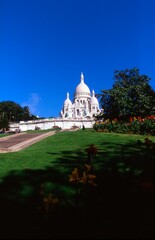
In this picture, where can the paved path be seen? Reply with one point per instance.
(16, 142)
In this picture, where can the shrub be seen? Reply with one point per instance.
(138, 125)
(37, 128)
(56, 127)
(74, 127)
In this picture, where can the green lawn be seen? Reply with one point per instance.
(118, 206)
(67, 149)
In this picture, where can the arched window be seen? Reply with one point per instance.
(78, 112)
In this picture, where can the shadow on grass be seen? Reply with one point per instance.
(118, 207)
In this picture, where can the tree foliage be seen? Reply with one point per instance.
(13, 112)
(4, 123)
(131, 95)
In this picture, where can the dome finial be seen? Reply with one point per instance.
(93, 93)
(82, 77)
(67, 95)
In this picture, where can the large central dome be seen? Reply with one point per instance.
(82, 88)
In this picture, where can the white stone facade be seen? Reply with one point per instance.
(84, 105)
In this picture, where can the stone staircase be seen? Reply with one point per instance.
(16, 142)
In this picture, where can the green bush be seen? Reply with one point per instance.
(148, 127)
(144, 127)
(134, 127)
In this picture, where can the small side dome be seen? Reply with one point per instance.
(67, 102)
(94, 100)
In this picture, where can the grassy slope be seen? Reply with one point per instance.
(67, 146)
(62, 145)
(49, 162)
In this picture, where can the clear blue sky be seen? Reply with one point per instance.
(46, 44)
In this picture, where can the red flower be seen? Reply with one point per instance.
(130, 119)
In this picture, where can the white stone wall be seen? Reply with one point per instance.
(45, 124)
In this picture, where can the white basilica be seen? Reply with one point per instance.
(84, 104)
(79, 113)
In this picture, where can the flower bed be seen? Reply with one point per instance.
(136, 125)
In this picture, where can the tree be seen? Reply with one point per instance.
(27, 114)
(4, 123)
(130, 96)
(15, 112)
